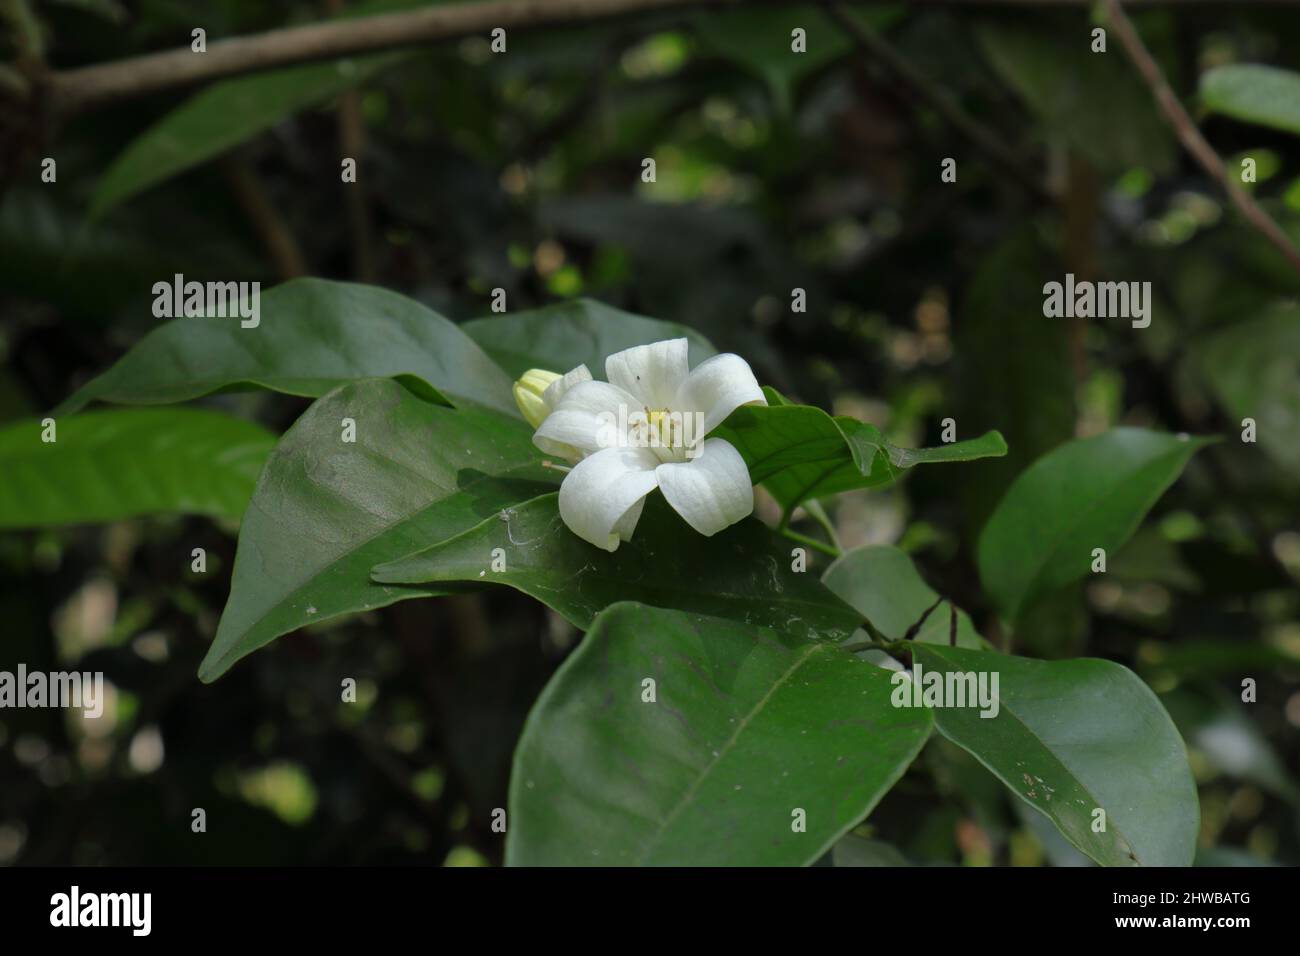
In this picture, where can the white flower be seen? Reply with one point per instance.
(644, 429)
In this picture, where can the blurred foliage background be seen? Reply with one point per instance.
(774, 172)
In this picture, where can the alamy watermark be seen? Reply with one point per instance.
(1102, 300)
(63, 689)
(191, 300)
(75, 908)
(946, 689)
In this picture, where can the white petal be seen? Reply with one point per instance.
(717, 387)
(601, 499)
(555, 391)
(653, 373)
(627, 524)
(586, 420)
(711, 491)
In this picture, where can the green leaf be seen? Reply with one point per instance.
(222, 116)
(1254, 369)
(882, 584)
(748, 725)
(313, 334)
(760, 40)
(1080, 97)
(1086, 494)
(743, 573)
(579, 332)
(799, 452)
(1253, 93)
(1071, 737)
(122, 463)
(326, 510)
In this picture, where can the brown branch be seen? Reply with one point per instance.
(352, 143)
(85, 87)
(1190, 136)
(91, 86)
(1080, 213)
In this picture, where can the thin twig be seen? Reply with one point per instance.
(915, 629)
(352, 142)
(276, 236)
(1191, 137)
(991, 143)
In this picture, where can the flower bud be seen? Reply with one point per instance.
(528, 394)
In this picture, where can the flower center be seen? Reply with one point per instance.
(663, 425)
(664, 431)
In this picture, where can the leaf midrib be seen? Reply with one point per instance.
(726, 748)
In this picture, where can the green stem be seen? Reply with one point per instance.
(819, 515)
(876, 640)
(813, 543)
(871, 643)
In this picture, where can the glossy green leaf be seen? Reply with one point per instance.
(747, 726)
(799, 452)
(743, 573)
(1253, 368)
(313, 334)
(1254, 93)
(579, 332)
(1086, 494)
(1074, 737)
(107, 465)
(326, 510)
(882, 584)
